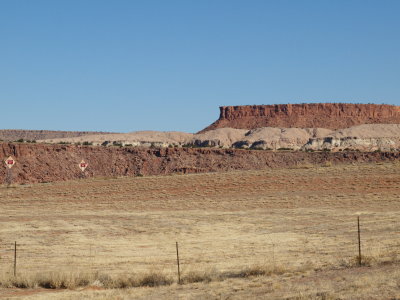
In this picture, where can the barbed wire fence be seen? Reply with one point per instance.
(379, 242)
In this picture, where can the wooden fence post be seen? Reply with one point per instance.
(359, 241)
(8, 176)
(273, 254)
(15, 258)
(177, 259)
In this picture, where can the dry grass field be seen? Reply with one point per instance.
(270, 234)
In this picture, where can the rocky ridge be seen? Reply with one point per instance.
(47, 163)
(34, 135)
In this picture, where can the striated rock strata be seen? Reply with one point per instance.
(46, 163)
(314, 115)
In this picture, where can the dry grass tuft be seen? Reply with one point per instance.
(50, 280)
(55, 280)
(258, 270)
(366, 261)
(73, 280)
(201, 276)
(155, 279)
(64, 280)
(313, 296)
(375, 259)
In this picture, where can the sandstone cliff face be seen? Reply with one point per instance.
(46, 163)
(319, 115)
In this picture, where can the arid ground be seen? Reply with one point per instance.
(267, 234)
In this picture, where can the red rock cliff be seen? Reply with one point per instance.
(322, 115)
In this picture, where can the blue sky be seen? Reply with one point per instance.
(168, 65)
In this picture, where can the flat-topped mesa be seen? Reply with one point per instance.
(311, 115)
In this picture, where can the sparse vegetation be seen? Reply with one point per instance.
(281, 229)
(327, 164)
(190, 146)
(117, 144)
(73, 280)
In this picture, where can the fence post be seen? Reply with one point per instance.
(15, 258)
(8, 176)
(273, 254)
(359, 241)
(177, 259)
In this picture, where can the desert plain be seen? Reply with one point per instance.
(285, 233)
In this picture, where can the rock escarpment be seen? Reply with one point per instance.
(313, 115)
(46, 163)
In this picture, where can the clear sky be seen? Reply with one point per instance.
(168, 65)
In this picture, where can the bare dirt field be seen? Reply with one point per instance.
(267, 234)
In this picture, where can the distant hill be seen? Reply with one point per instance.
(16, 134)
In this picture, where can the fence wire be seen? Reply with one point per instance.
(321, 245)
